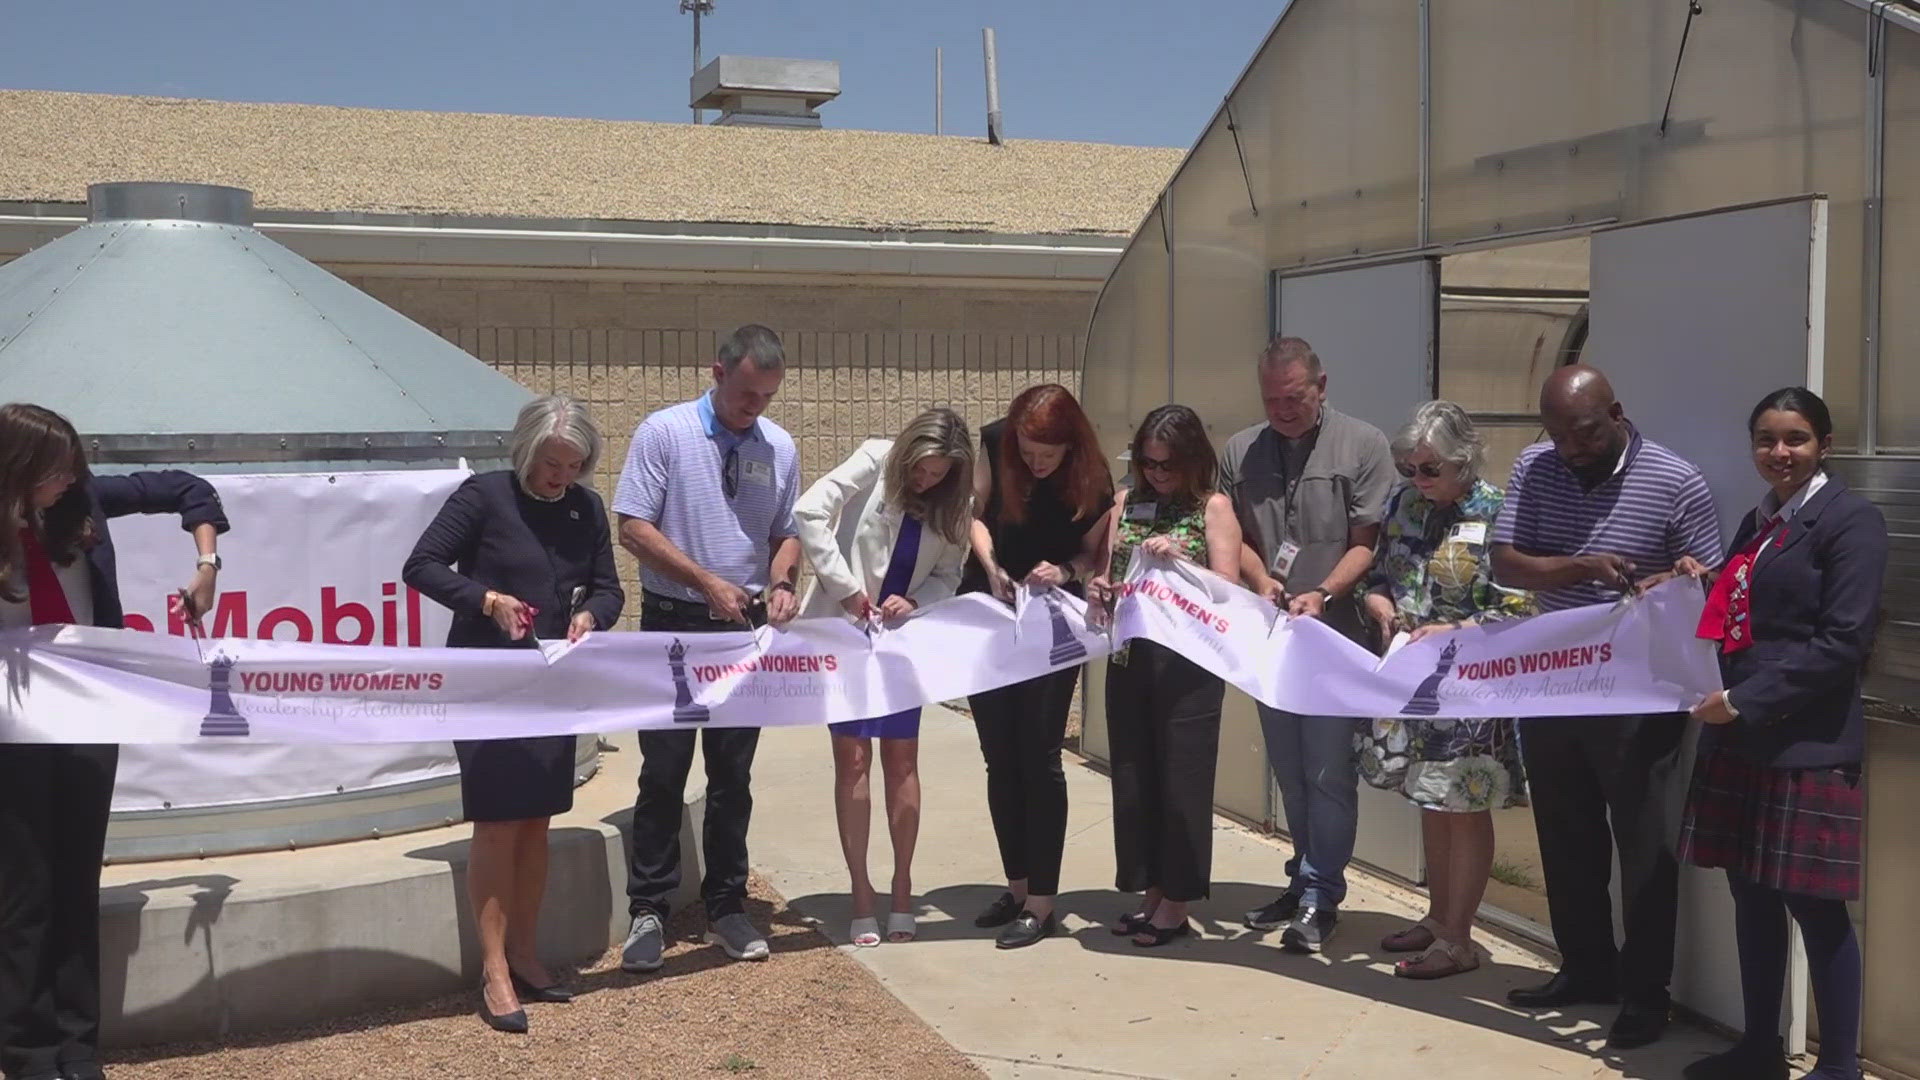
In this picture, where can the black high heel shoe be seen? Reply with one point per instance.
(1131, 924)
(551, 994)
(1157, 936)
(513, 1023)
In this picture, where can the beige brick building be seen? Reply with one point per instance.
(604, 258)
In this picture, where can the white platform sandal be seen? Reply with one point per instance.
(901, 927)
(864, 932)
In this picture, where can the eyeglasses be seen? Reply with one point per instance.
(1155, 465)
(1432, 470)
(730, 471)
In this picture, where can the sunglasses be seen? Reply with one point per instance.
(730, 472)
(1431, 470)
(1155, 465)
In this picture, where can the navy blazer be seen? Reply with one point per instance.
(1815, 605)
(162, 491)
(492, 535)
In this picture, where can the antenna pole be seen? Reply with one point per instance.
(993, 87)
(939, 92)
(696, 8)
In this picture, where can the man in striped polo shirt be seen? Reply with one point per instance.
(706, 504)
(1586, 516)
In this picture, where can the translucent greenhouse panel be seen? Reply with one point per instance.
(1334, 103)
(1900, 261)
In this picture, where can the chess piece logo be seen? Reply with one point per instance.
(1067, 649)
(222, 718)
(685, 709)
(1426, 700)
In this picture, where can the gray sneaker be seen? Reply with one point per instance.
(645, 942)
(738, 937)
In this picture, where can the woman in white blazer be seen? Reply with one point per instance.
(886, 533)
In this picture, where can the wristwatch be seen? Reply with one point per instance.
(212, 560)
(1325, 593)
(787, 585)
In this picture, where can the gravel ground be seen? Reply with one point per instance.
(810, 1011)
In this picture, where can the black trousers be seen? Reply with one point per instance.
(54, 802)
(1584, 773)
(666, 759)
(1021, 728)
(1163, 736)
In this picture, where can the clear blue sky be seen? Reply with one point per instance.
(1144, 72)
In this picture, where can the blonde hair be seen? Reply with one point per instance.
(946, 507)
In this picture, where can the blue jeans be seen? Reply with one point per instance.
(1312, 759)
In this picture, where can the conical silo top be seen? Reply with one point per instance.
(169, 318)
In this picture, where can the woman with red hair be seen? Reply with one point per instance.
(1041, 496)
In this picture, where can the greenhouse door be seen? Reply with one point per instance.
(1693, 319)
(1375, 330)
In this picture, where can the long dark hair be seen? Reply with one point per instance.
(1796, 399)
(1049, 414)
(1185, 437)
(37, 444)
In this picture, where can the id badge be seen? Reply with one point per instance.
(1283, 559)
(1143, 512)
(1470, 532)
(757, 472)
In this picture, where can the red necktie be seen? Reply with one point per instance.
(46, 600)
(1727, 615)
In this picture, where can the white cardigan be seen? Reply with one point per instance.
(849, 551)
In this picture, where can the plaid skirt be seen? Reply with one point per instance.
(1793, 830)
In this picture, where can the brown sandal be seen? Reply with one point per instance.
(1440, 960)
(1416, 938)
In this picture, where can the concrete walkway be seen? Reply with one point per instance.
(1229, 1004)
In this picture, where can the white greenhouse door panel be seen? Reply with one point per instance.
(1374, 329)
(1693, 319)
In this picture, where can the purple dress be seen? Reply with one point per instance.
(900, 725)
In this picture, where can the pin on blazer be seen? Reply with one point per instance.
(847, 529)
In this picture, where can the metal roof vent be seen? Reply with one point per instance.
(765, 92)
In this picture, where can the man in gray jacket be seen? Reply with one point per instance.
(1310, 486)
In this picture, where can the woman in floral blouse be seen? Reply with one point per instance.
(1433, 573)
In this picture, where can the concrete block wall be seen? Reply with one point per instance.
(862, 359)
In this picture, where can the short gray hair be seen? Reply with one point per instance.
(1447, 430)
(1284, 352)
(753, 342)
(555, 416)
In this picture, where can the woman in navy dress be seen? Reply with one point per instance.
(518, 555)
(57, 566)
(1777, 796)
(886, 533)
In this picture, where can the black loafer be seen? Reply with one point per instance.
(1562, 989)
(1027, 929)
(1637, 1025)
(999, 913)
(86, 1071)
(551, 994)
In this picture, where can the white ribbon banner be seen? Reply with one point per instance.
(82, 684)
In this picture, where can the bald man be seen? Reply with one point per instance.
(1588, 515)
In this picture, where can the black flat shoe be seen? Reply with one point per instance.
(1562, 989)
(1156, 936)
(551, 994)
(1027, 929)
(999, 913)
(1131, 924)
(1637, 1025)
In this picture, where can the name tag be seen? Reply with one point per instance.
(1470, 532)
(1143, 511)
(1283, 559)
(757, 472)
